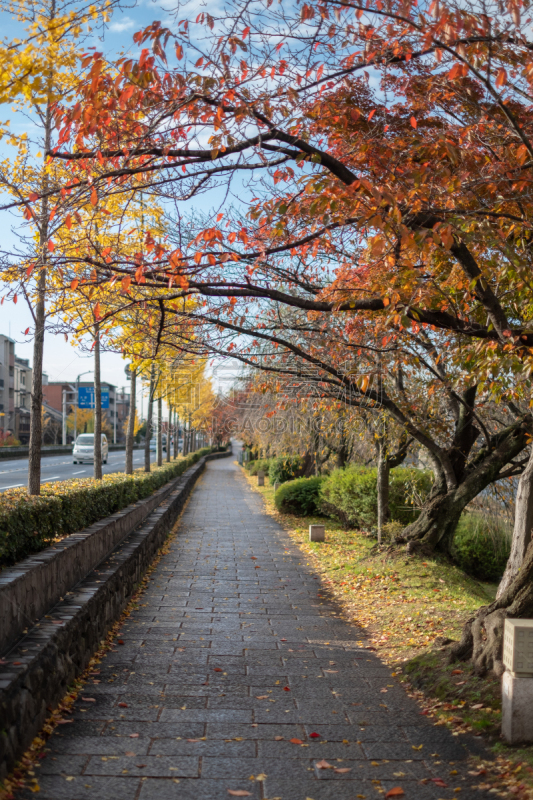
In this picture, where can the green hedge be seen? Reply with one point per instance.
(481, 545)
(284, 468)
(351, 494)
(29, 524)
(300, 497)
(253, 467)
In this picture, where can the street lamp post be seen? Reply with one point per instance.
(76, 400)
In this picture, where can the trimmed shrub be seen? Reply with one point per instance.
(351, 495)
(300, 497)
(253, 467)
(284, 468)
(28, 524)
(481, 545)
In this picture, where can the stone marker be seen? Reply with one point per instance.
(260, 478)
(317, 533)
(517, 681)
(276, 486)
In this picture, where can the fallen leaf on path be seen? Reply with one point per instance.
(261, 697)
(314, 735)
(134, 735)
(439, 782)
(457, 671)
(120, 705)
(239, 793)
(477, 705)
(286, 688)
(417, 747)
(342, 770)
(64, 721)
(383, 691)
(295, 741)
(129, 753)
(89, 700)
(323, 764)
(217, 669)
(396, 791)
(193, 741)
(278, 738)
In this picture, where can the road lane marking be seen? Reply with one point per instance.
(79, 472)
(51, 478)
(13, 486)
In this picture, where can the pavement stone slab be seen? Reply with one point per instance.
(229, 656)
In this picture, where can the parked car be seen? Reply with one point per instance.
(83, 450)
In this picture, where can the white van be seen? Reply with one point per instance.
(83, 450)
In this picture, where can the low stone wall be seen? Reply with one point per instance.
(36, 673)
(34, 585)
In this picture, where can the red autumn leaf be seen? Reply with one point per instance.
(51, 246)
(286, 689)
(413, 122)
(121, 641)
(314, 736)
(26, 331)
(217, 669)
(122, 705)
(396, 791)
(371, 114)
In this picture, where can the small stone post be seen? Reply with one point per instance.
(260, 478)
(517, 681)
(276, 486)
(317, 533)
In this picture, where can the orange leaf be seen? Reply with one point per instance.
(26, 331)
(94, 197)
(323, 764)
(98, 315)
(219, 217)
(239, 793)
(295, 741)
(501, 78)
(413, 123)
(371, 114)
(125, 282)
(179, 52)
(396, 791)
(68, 221)
(74, 284)
(51, 246)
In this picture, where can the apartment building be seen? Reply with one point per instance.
(7, 384)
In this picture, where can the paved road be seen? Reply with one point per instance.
(232, 678)
(60, 468)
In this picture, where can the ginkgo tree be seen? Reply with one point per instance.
(38, 70)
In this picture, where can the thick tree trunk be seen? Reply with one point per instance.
(523, 523)
(383, 488)
(159, 431)
(97, 407)
(435, 527)
(482, 639)
(131, 424)
(149, 417)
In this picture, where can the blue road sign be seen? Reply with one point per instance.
(86, 397)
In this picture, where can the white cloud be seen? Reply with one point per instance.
(122, 25)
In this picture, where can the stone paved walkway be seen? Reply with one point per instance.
(230, 656)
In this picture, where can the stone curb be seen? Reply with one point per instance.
(37, 672)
